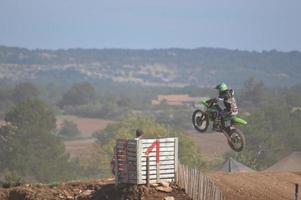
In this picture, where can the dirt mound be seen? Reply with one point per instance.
(291, 163)
(74, 190)
(3, 194)
(257, 185)
(89, 190)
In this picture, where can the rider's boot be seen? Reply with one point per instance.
(214, 126)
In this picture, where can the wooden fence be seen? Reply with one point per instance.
(197, 185)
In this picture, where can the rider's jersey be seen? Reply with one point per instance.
(229, 102)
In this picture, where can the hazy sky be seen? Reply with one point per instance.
(236, 24)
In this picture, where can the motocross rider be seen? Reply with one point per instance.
(229, 107)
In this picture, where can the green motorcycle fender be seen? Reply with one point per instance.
(237, 120)
(204, 103)
(211, 110)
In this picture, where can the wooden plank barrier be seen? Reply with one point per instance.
(197, 185)
(131, 160)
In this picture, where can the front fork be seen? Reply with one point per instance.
(226, 131)
(227, 135)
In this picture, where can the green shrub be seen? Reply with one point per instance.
(11, 179)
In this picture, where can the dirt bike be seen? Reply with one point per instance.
(201, 118)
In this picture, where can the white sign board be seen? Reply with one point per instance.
(131, 156)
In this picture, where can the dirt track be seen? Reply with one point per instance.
(89, 190)
(257, 185)
(235, 186)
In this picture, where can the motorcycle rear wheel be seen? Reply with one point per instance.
(200, 120)
(238, 140)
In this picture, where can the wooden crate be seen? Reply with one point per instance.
(131, 155)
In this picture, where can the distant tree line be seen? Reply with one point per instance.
(89, 99)
(206, 65)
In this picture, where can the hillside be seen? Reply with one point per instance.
(168, 67)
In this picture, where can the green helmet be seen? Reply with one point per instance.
(222, 87)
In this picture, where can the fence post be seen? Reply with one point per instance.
(116, 166)
(197, 185)
(147, 171)
(296, 191)
(230, 165)
(158, 160)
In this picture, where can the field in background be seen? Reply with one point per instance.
(86, 125)
(212, 145)
(82, 147)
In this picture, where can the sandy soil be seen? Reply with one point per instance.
(257, 185)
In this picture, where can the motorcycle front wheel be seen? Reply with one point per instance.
(200, 120)
(237, 140)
